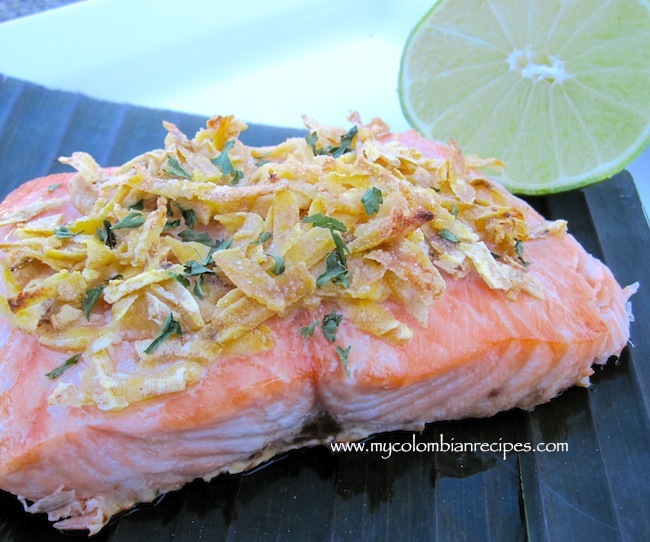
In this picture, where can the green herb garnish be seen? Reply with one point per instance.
(446, 234)
(53, 187)
(170, 327)
(346, 143)
(180, 278)
(335, 262)
(56, 373)
(341, 248)
(198, 287)
(308, 331)
(519, 249)
(89, 302)
(343, 279)
(171, 224)
(262, 159)
(312, 139)
(372, 199)
(63, 232)
(223, 162)
(263, 238)
(138, 205)
(344, 357)
(278, 268)
(330, 325)
(336, 151)
(454, 209)
(198, 237)
(321, 221)
(334, 271)
(189, 216)
(174, 168)
(222, 244)
(193, 268)
(106, 234)
(132, 220)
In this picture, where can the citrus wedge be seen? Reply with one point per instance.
(557, 89)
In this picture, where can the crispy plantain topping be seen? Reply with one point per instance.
(181, 255)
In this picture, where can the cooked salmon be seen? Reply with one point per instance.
(189, 313)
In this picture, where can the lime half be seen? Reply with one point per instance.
(557, 89)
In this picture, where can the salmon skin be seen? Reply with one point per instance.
(190, 312)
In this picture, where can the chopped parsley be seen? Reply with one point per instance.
(311, 139)
(223, 162)
(89, 302)
(278, 268)
(53, 187)
(330, 325)
(344, 355)
(93, 295)
(308, 331)
(138, 205)
(261, 160)
(519, 249)
(335, 271)
(332, 224)
(454, 209)
(321, 221)
(341, 248)
(174, 168)
(56, 373)
(263, 238)
(198, 237)
(198, 287)
(198, 270)
(335, 150)
(446, 234)
(170, 327)
(106, 234)
(193, 268)
(132, 220)
(346, 143)
(63, 233)
(189, 216)
(222, 244)
(372, 199)
(335, 262)
(171, 224)
(180, 278)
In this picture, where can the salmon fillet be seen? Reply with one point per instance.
(476, 352)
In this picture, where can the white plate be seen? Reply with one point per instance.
(267, 62)
(263, 61)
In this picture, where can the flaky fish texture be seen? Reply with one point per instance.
(191, 312)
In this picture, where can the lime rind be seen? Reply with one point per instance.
(601, 173)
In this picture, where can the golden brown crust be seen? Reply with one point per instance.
(186, 250)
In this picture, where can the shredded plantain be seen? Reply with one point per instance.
(219, 237)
